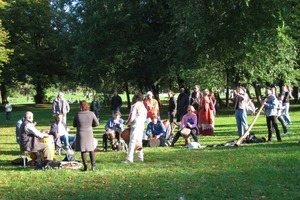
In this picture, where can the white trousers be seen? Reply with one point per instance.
(136, 137)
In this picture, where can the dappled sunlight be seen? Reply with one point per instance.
(256, 170)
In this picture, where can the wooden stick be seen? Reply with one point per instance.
(243, 137)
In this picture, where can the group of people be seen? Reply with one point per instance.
(276, 106)
(195, 113)
(30, 139)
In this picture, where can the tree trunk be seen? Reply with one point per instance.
(295, 93)
(3, 93)
(257, 92)
(40, 94)
(227, 96)
(127, 95)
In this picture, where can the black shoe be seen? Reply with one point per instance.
(85, 168)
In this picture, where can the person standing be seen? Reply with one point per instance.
(172, 108)
(8, 109)
(116, 103)
(95, 106)
(195, 98)
(84, 121)
(206, 114)
(182, 104)
(136, 120)
(280, 115)
(271, 105)
(286, 103)
(151, 106)
(240, 99)
(61, 106)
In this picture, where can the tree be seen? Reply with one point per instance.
(4, 54)
(36, 59)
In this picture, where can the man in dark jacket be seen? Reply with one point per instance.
(116, 103)
(182, 104)
(29, 138)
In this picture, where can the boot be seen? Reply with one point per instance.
(85, 167)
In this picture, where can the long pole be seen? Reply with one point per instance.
(243, 137)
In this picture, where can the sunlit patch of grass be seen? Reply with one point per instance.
(253, 171)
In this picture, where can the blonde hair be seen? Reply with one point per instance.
(190, 107)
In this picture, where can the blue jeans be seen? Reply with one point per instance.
(7, 115)
(241, 121)
(66, 139)
(286, 112)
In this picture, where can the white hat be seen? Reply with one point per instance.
(149, 93)
(60, 94)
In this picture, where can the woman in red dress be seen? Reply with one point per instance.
(206, 114)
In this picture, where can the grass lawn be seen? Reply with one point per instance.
(253, 171)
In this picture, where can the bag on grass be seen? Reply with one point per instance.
(69, 157)
(18, 161)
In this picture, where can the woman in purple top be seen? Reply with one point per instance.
(189, 121)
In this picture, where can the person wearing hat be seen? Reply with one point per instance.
(61, 106)
(271, 105)
(240, 99)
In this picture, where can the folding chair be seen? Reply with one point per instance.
(34, 155)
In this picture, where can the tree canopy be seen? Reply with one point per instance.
(151, 45)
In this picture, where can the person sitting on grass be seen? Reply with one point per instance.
(158, 130)
(189, 121)
(113, 127)
(61, 133)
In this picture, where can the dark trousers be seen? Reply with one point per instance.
(106, 138)
(92, 157)
(272, 123)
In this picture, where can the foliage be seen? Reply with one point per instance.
(151, 45)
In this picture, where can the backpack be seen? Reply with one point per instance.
(250, 108)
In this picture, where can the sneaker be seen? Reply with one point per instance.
(287, 133)
(127, 161)
(70, 151)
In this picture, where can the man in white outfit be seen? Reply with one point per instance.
(136, 120)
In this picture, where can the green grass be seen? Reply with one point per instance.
(254, 171)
